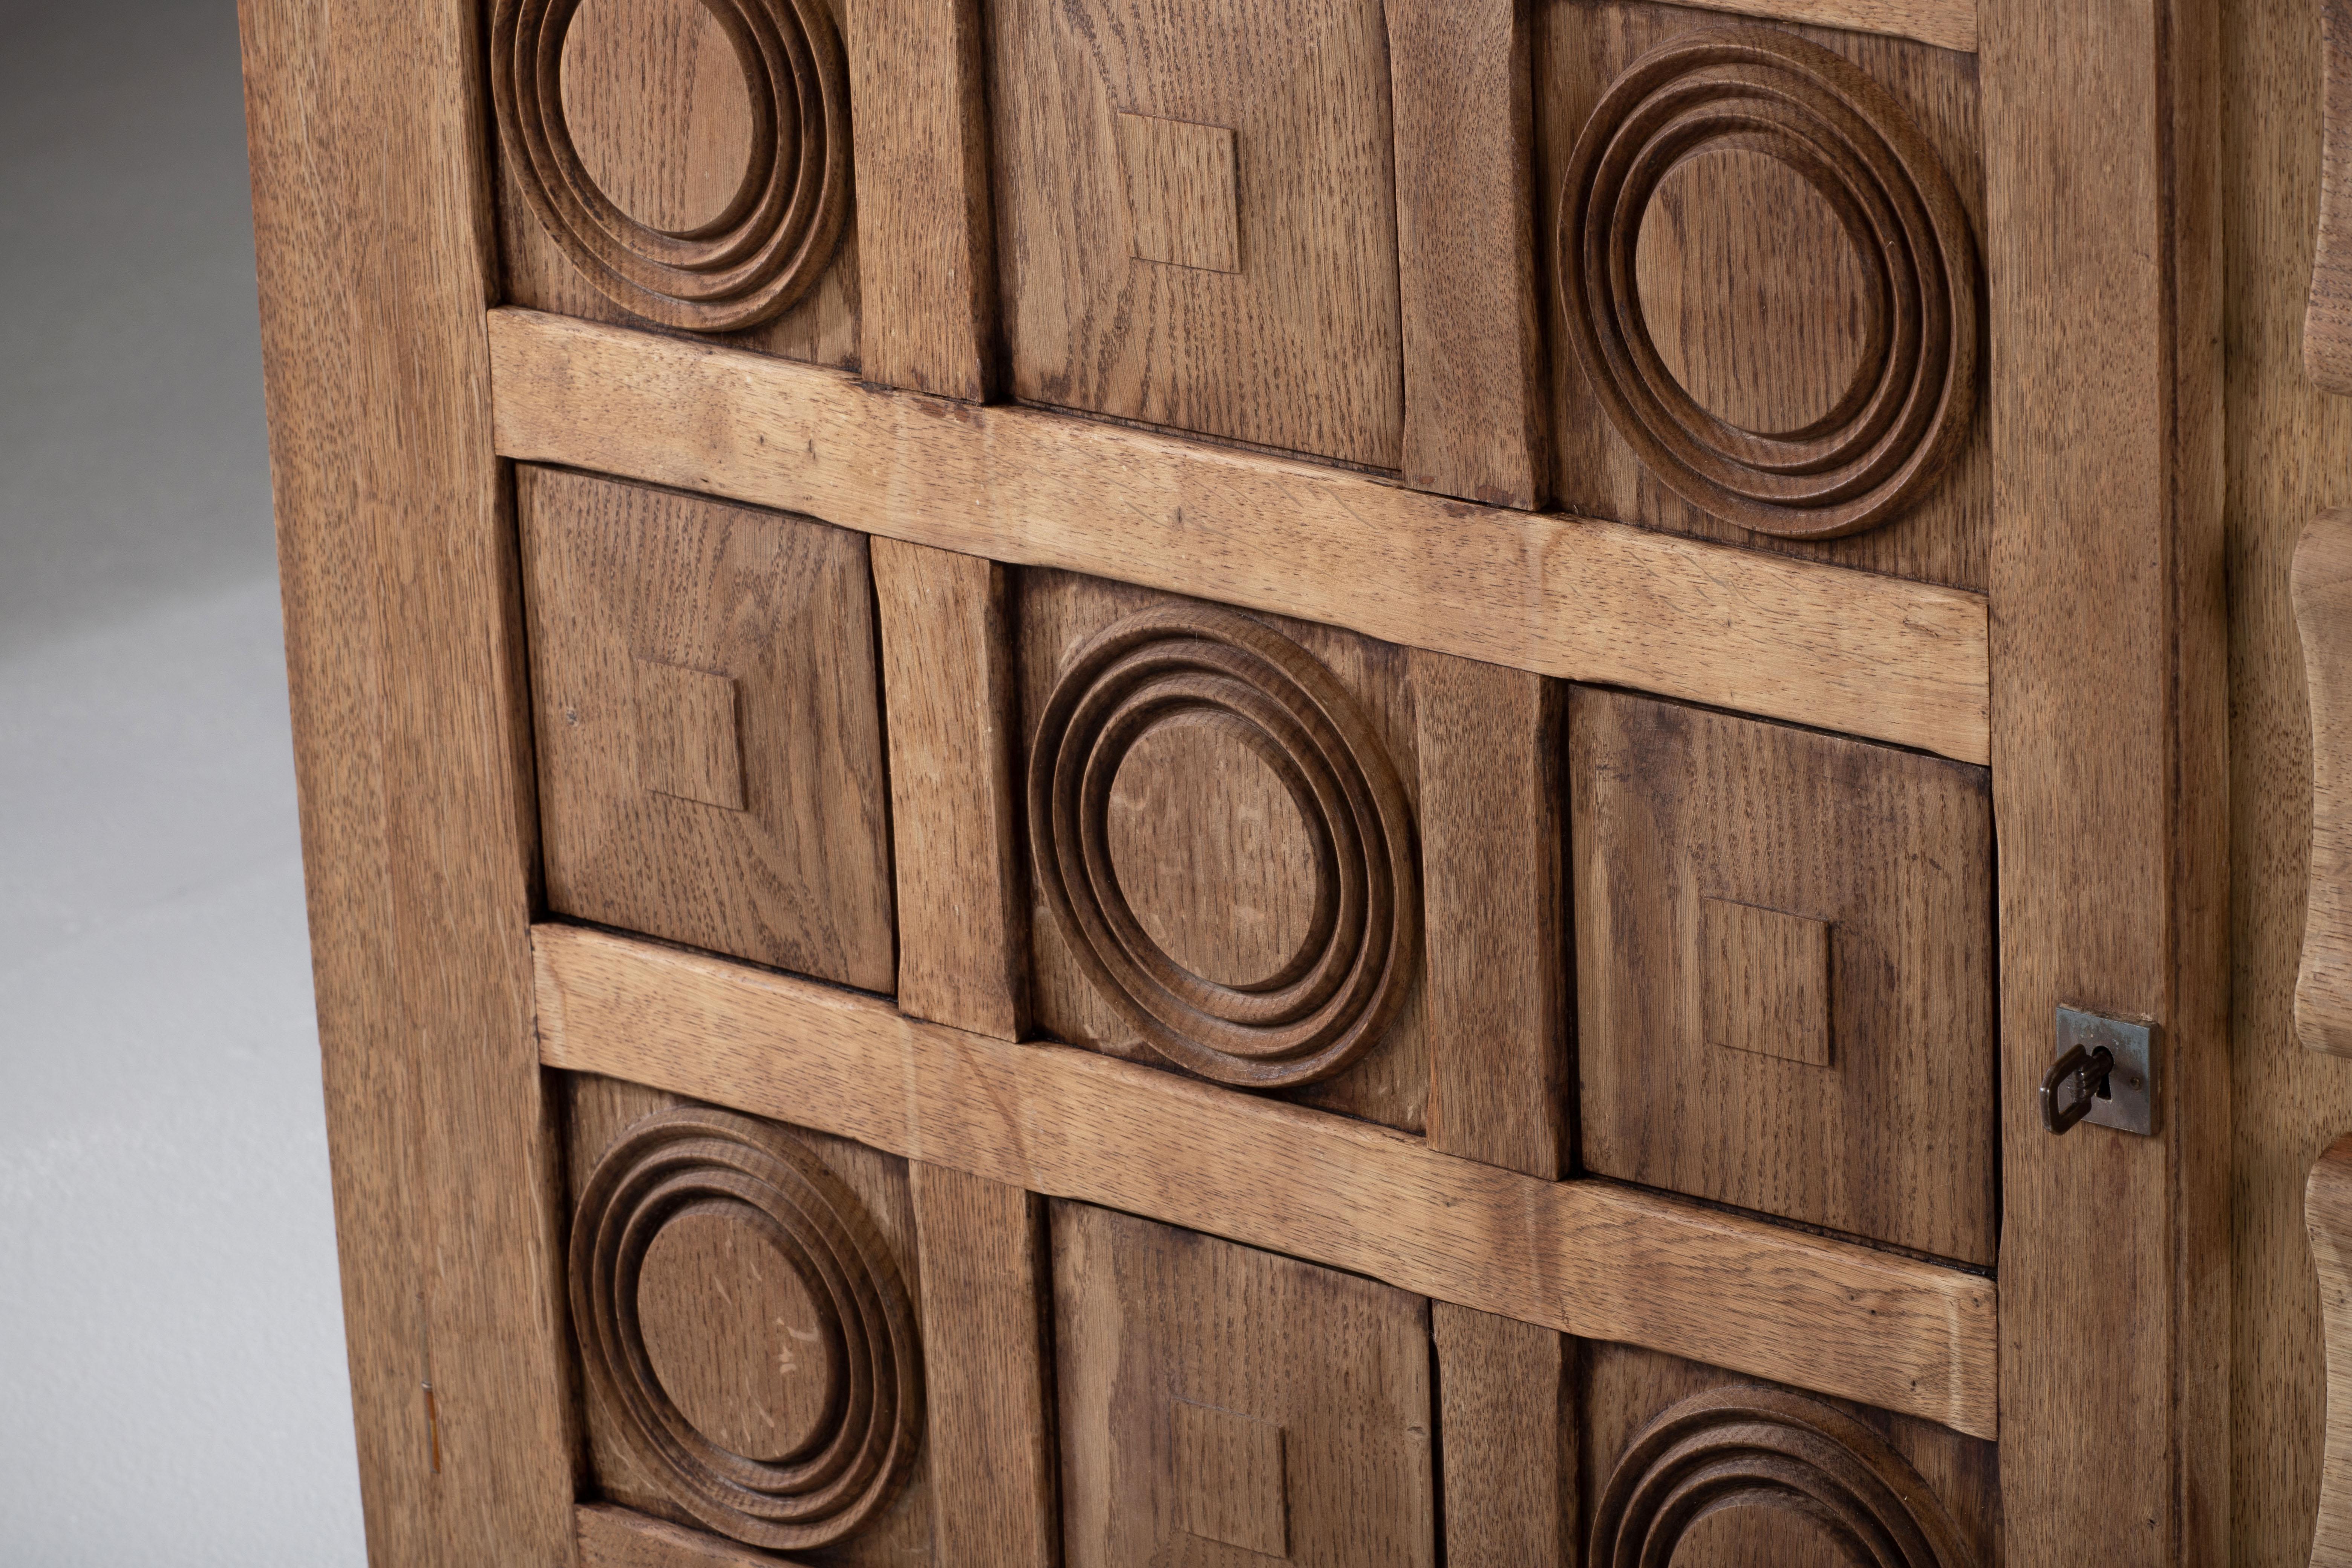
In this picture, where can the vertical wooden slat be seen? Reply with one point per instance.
(2109, 736)
(1509, 1439)
(926, 246)
(1476, 416)
(947, 674)
(1492, 884)
(373, 226)
(983, 1249)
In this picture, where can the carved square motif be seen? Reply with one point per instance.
(687, 743)
(1766, 980)
(1784, 971)
(1229, 1482)
(1180, 192)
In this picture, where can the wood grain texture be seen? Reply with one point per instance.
(1947, 23)
(411, 751)
(1507, 1439)
(1181, 201)
(1592, 1259)
(1188, 1368)
(925, 223)
(844, 1212)
(1298, 347)
(610, 1537)
(2289, 459)
(2327, 1215)
(1713, 323)
(1876, 1488)
(1478, 411)
(1893, 1135)
(1564, 596)
(780, 610)
(645, 241)
(954, 720)
(986, 1318)
(2110, 759)
(2323, 615)
(1260, 829)
(2327, 318)
(1493, 876)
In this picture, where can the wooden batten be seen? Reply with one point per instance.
(1947, 23)
(1589, 1258)
(1573, 597)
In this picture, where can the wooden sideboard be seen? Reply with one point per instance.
(1198, 782)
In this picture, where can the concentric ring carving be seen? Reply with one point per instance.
(771, 243)
(851, 1459)
(1183, 664)
(1750, 1448)
(1907, 412)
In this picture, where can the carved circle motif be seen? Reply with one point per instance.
(843, 1455)
(1802, 1462)
(1181, 664)
(766, 247)
(1907, 412)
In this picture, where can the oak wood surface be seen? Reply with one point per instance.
(2289, 459)
(1733, 194)
(1298, 347)
(1507, 1440)
(874, 1205)
(1477, 406)
(1947, 23)
(1564, 596)
(1909, 1468)
(639, 82)
(1215, 845)
(1214, 1394)
(986, 1328)
(1676, 810)
(366, 122)
(782, 608)
(925, 238)
(2328, 319)
(1493, 878)
(954, 720)
(2323, 615)
(610, 1537)
(2327, 1215)
(1590, 1258)
(2110, 765)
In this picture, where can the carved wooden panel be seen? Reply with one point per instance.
(1762, 258)
(1223, 1405)
(708, 711)
(1221, 827)
(2327, 309)
(1687, 1465)
(1784, 950)
(1197, 216)
(743, 1300)
(682, 163)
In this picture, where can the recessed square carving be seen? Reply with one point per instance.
(1765, 977)
(687, 743)
(1229, 1481)
(1180, 192)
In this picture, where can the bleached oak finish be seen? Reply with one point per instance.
(1507, 1440)
(1565, 596)
(986, 1321)
(2328, 319)
(1477, 413)
(2327, 1214)
(2323, 613)
(946, 677)
(1593, 1259)
(926, 240)
(367, 120)
(2110, 769)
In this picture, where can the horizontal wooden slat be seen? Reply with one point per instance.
(1565, 596)
(1947, 24)
(612, 1537)
(1587, 1257)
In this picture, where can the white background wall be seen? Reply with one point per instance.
(171, 1379)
